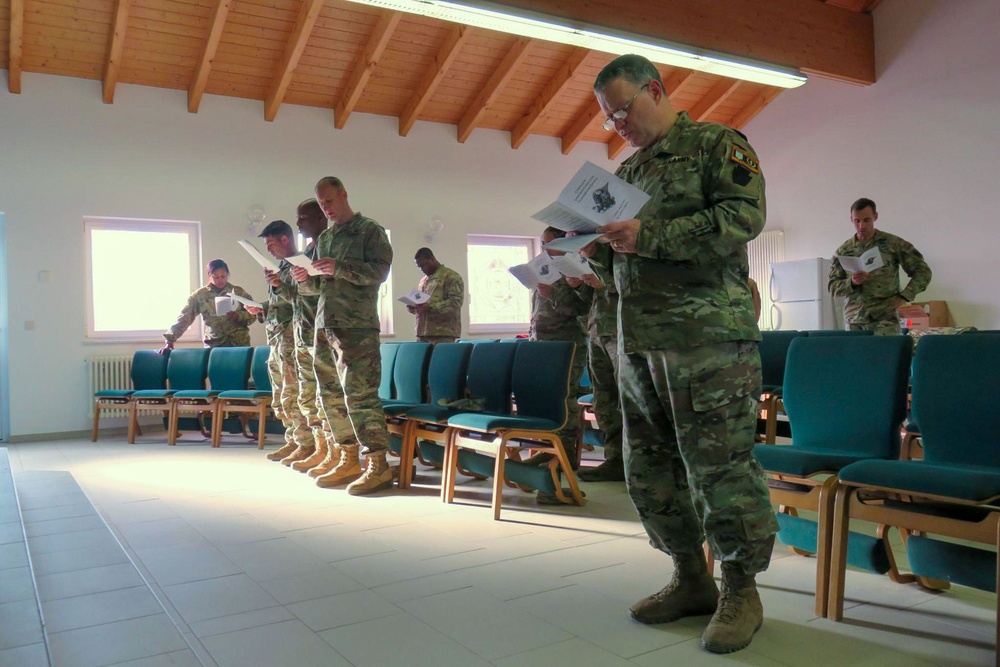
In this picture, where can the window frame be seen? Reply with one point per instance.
(192, 228)
(533, 245)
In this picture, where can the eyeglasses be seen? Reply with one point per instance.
(622, 113)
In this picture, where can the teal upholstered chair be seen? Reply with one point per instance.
(487, 382)
(845, 398)
(228, 369)
(773, 352)
(148, 371)
(388, 353)
(409, 373)
(838, 332)
(490, 443)
(248, 402)
(954, 491)
(186, 369)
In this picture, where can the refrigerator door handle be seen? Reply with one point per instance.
(775, 319)
(772, 284)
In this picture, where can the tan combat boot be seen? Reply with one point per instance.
(691, 592)
(317, 457)
(347, 469)
(739, 616)
(328, 463)
(297, 455)
(377, 476)
(281, 452)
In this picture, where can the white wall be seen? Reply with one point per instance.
(923, 142)
(64, 154)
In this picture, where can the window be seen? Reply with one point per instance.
(498, 303)
(385, 300)
(140, 274)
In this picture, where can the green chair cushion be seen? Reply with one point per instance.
(431, 413)
(963, 481)
(397, 408)
(957, 563)
(114, 393)
(153, 393)
(196, 393)
(802, 461)
(481, 421)
(244, 394)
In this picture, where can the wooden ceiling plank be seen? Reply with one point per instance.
(553, 90)
(453, 43)
(753, 107)
(488, 95)
(15, 46)
(676, 83)
(582, 124)
(293, 51)
(616, 146)
(366, 63)
(115, 50)
(713, 98)
(201, 72)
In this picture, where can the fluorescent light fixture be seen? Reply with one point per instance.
(537, 26)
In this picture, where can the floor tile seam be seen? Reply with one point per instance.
(96, 625)
(83, 595)
(31, 566)
(261, 625)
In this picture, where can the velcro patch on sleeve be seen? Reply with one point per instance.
(742, 156)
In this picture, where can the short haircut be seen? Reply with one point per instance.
(277, 228)
(217, 264)
(634, 69)
(330, 182)
(862, 203)
(555, 232)
(310, 205)
(425, 253)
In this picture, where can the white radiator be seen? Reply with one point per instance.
(767, 248)
(108, 373)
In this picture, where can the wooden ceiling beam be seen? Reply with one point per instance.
(713, 98)
(366, 64)
(201, 72)
(451, 47)
(815, 37)
(675, 83)
(115, 50)
(308, 14)
(553, 91)
(754, 107)
(488, 95)
(590, 116)
(16, 46)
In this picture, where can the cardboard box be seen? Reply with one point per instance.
(937, 313)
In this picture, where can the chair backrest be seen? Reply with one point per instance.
(773, 352)
(540, 378)
(258, 368)
(409, 373)
(149, 369)
(229, 368)
(187, 369)
(955, 394)
(446, 374)
(847, 394)
(477, 341)
(490, 373)
(838, 332)
(388, 353)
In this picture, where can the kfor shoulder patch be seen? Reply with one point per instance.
(741, 156)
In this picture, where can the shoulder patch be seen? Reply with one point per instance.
(742, 157)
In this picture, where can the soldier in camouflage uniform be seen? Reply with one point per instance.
(688, 365)
(872, 298)
(439, 320)
(602, 360)
(277, 316)
(229, 330)
(354, 257)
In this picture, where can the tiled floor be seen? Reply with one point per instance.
(252, 564)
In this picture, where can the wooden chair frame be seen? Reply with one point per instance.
(243, 406)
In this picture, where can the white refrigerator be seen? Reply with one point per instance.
(799, 298)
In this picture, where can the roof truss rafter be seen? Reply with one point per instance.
(451, 47)
(16, 45)
(115, 50)
(293, 51)
(201, 72)
(488, 95)
(553, 90)
(366, 64)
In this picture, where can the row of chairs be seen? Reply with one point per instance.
(453, 405)
(174, 384)
(846, 399)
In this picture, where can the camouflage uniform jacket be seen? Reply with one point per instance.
(278, 308)
(220, 331)
(872, 301)
(562, 315)
(603, 317)
(349, 298)
(686, 285)
(303, 304)
(443, 316)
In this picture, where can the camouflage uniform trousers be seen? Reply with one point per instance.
(881, 328)
(349, 361)
(689, 418)
(602, 357)
(434, 340)
(281, 368)
(311, 403)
